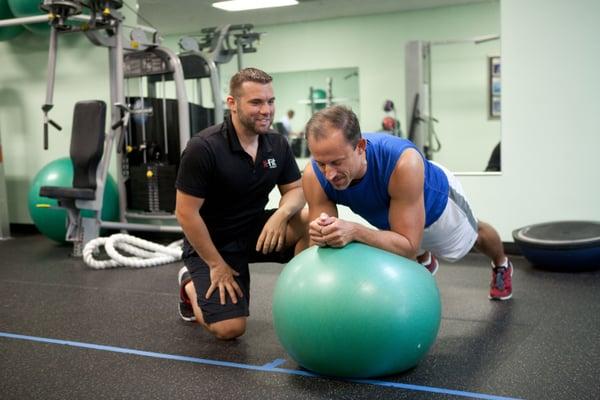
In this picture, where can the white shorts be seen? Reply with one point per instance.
(454, 233)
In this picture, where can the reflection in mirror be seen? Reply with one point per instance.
(300, 93)
(456, 114)
(460, 86)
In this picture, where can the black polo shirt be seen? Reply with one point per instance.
(215, 167)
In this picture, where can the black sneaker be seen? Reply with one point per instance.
(186, 312)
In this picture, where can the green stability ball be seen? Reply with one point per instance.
(356, 311)
(51, 220)
(320, 98)
(29, 8)
(8, 32)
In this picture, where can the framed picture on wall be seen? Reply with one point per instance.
(495, 109)
(494, 87)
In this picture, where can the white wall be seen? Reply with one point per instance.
(550, 124)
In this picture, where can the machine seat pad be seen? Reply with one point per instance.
(58, 192)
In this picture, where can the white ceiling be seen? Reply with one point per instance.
(189, 16)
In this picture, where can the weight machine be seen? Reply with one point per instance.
(136, 54)
(212, 48)
(147, 132)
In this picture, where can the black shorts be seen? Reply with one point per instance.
(238, 254)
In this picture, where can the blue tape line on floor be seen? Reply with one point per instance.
(270, 367)
(274, 363)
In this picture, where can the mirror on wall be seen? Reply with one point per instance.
(465, 102)
(304, 92)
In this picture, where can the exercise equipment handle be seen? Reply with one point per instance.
(118, 124)
(123, 122)
(124, 119)
(54, 124)
(45, 109)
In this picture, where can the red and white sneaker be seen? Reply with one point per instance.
(431, 264)
(501, 285)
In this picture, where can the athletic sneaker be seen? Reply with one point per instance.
(186, 312)
(432, 264)
(501, 285)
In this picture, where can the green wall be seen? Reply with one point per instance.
(81, 74)
(375, 46)
(292, 92)
(550, 91)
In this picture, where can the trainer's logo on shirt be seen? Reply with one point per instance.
(270, 163)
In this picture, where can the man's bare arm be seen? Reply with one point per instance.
(406, 214)
(318, 205)
(272, 236)
(407, 208)
(195, 230)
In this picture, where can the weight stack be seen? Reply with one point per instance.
(151, 188)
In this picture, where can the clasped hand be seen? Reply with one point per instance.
(330, 231)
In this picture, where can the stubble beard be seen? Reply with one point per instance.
(251, 124)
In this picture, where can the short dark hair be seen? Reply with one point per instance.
(247, 75)
(338, 117)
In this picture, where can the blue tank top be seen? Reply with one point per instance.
(369, 197)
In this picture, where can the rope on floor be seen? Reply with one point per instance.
(145, 253)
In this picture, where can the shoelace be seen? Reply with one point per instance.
(500, 277)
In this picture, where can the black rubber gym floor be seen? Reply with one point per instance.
(70, 332)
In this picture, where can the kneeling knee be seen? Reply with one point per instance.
(228, 329)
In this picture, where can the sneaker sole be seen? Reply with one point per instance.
(180, 274)
(500, 298)
(183, 317)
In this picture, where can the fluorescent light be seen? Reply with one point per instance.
(241, 5)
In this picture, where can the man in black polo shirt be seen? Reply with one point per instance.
(226, 174)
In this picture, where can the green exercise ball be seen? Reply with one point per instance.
(320, 99)
(51, 220)
(29, 8)
(355, 311)
(8, 32)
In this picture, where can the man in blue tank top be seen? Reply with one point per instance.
(418, 207)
